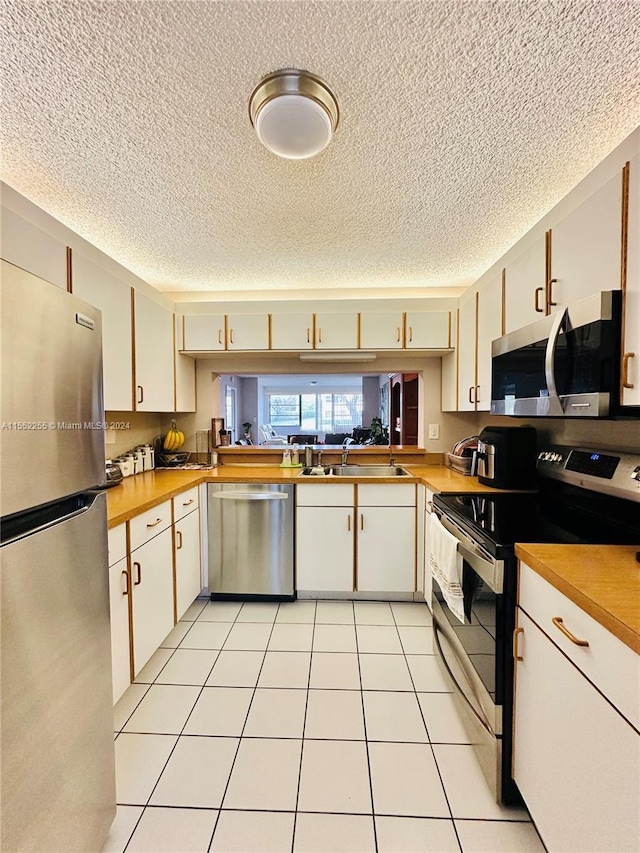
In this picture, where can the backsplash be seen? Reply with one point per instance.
(129, 430)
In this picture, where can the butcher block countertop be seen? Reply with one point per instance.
(603, 580)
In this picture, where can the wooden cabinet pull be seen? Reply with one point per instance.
(361, 521)
(220, 336)
(319, 336)
(349, 522)
(308, 336)
(476, 395)
(550, 301)
(140, 394)
(517, 631)
(470, 394)
(410, 333)
(179, 533)
(139, 573)
(397, 334)
(126, 582)
(537, 301)
(625, 369)
(154, 523)
(188, 503)
(557, 621)
(231, 336)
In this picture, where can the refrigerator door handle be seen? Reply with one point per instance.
(38, 520)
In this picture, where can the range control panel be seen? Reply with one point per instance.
(611, 471)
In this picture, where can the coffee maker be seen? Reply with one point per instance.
(507, 457)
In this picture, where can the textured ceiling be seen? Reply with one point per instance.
(462, 123)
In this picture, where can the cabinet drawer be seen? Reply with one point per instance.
(385, 494)
(117, 543)
(185, 503)
(148, 524)
(608, 663)
(324, 494)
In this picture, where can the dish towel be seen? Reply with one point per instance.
(446, 565)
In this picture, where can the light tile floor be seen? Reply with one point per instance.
(317, 727)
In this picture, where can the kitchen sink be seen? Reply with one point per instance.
(361, 471)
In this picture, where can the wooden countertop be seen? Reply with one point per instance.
(143, 491)
(603, 580)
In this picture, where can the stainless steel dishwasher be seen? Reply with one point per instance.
(251, 547)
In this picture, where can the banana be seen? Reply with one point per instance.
(174, 439)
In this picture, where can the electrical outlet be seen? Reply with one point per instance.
(434, 430)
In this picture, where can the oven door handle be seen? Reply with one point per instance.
(487, 567)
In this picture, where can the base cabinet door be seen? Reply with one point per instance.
(576, 759)
(386, 549)
(187, 557)
(324, 548)
(119, 611)
(152, 589)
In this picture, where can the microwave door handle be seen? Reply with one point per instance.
(555, 406)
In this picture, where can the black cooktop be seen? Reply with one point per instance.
(558, 513)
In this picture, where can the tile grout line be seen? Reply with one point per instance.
(444, 790)
(304, 725)
(366, 740)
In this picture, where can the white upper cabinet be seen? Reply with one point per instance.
(427, 330)
(185, 370)
(381, 331)
(585, 248)
(337, 331)
(247, 331)
(154, 377)
(467, 356)
(33, 250)
(526, 287)
(292, 331)
(203, 332)
(113, 297)
(489, 328)
(631, 330)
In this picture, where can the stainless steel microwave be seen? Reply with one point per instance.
(564, 365)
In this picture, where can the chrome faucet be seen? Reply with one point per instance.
(344, 456)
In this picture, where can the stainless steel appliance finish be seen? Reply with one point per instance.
(564, 365)
(52, 403)
(58, 774)
(251, 540)
(360, 471)
(586, 495)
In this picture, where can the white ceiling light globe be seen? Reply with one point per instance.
(294, 127)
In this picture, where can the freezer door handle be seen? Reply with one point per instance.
(37, 520)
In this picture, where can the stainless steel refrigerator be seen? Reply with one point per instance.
(57, 751)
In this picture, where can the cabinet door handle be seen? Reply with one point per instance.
(319, 336)
(471, 400)
(308, 336)
(126, 582)
(154, 523)
(361, 521)
(139, 573)
(476, 395)
(230, 336)
(625, 369)
(550, 292)
(517, 631)
(557, 621)
(220, 337)
(537, 301)
(349, 522)
(397, 334)
(410, 333)
(188, 503)
(179, 533)
(140, 394)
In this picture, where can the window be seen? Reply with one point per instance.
(316, 412)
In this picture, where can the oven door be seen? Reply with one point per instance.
(476, 657)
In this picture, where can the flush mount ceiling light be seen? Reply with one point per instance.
(294, 113)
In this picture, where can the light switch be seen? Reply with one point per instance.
(434, 430)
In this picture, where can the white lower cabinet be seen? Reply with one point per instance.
(152, 604)
(367, 544)
(119, 610)
(576, 757)
(187, 560)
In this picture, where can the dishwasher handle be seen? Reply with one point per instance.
(249, 496)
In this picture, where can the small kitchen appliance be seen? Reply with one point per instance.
(507, 457)
(586, 496)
